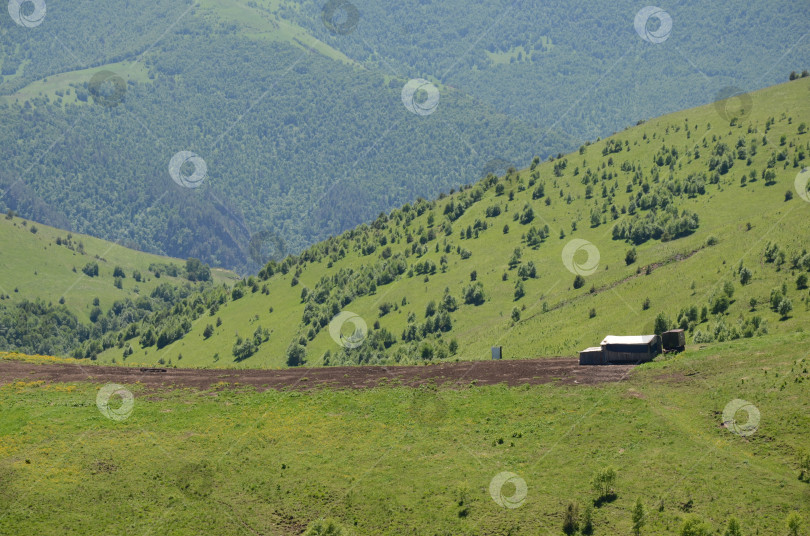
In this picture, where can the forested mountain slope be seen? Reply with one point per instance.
(697, 219)
(284, 131)
(296, 108)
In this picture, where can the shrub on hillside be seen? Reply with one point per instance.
(695, 527)
(90, 269)
(474, 294)
(571, 518)
(603, 482)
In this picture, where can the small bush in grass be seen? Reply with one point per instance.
(794, 523)
(661, 324)
(733, 527)
(785, 307)
(638, 517)
(571, 518)
(603, 482)
(804, 468)
(579, 281)
(587, 520)
(695, 527)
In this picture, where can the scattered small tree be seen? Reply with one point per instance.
(571, 518)
(430, 310)
(474, 294)
(801, 282)
(603, 481)
(631, 256)
(579, 281)
(638, 517)
(728, 289)
(794, 523)
(208, 331)
(785, 307)
(296, 354)
(90, 269)
(520, 291)
(695, 527)
(661, 324)
(804, 468)
(745, 276)
(515, 314)
(733, 527)
(587, 520)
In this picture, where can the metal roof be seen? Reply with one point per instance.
(592, 349)
(629, 339)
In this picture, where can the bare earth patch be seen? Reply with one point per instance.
(558, 370)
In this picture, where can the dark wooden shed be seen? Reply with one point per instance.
(674, 339)
(631, 349)
(592, 356)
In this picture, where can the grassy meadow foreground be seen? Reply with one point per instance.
(397, 460)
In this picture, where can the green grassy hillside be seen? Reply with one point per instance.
(397, 460)
(69, 287)
(707, 198)
(33, 266)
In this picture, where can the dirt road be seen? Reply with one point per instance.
(519, 372)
